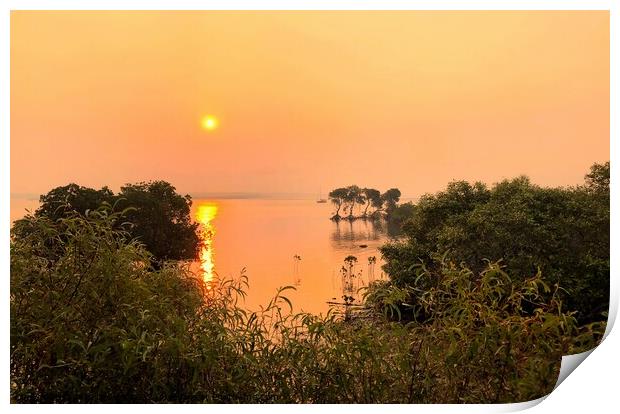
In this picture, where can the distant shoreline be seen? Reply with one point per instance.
(220, 196)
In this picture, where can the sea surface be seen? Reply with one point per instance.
(281, 243)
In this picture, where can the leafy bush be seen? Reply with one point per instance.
(485, 337)
(562, 231)
(94, 322)
(89, 318)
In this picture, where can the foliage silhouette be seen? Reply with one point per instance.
(153, 213)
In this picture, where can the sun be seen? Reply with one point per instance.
(209, 122)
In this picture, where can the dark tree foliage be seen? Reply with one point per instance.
(70, 198)
(153, 213)
(161, 220)
(375, 196)
(352, 196)
(598, 178)
(401, 214)
(337, 197)
(564, 232)
(371, 197)
(391, 198)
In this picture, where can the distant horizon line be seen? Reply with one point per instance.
(224, 195)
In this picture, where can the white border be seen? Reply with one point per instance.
(310, 5)
(591, 387)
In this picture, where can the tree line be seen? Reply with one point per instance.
(347, 198)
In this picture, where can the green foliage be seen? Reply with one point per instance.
(161, 220)
(402, 213)
(597, 179)
(153, 212)
(487, 337)
(387, 298)
(88, 319)
(61, 201)
(562, 231)
(93, 322)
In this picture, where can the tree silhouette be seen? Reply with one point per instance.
(159, 217)
(337, 197)
(372, 197)
(354, 196)
(391, 198)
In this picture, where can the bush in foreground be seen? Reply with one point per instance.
(94, 322)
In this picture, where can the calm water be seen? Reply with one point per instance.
(280, 243)
(265, 236)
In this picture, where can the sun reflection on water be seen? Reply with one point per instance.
(205, 215)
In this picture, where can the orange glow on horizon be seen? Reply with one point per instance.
(205, 215)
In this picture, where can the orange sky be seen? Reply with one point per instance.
(307, 100)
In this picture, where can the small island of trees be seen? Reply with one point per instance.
(370, 202)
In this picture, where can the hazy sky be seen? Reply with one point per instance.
(307, 100)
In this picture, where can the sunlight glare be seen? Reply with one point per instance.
(205, 214)
(209, 122)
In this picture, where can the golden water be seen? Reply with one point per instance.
(205, 214)
(287, 242)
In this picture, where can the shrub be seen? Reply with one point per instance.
(94, 322)
(562, 231)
